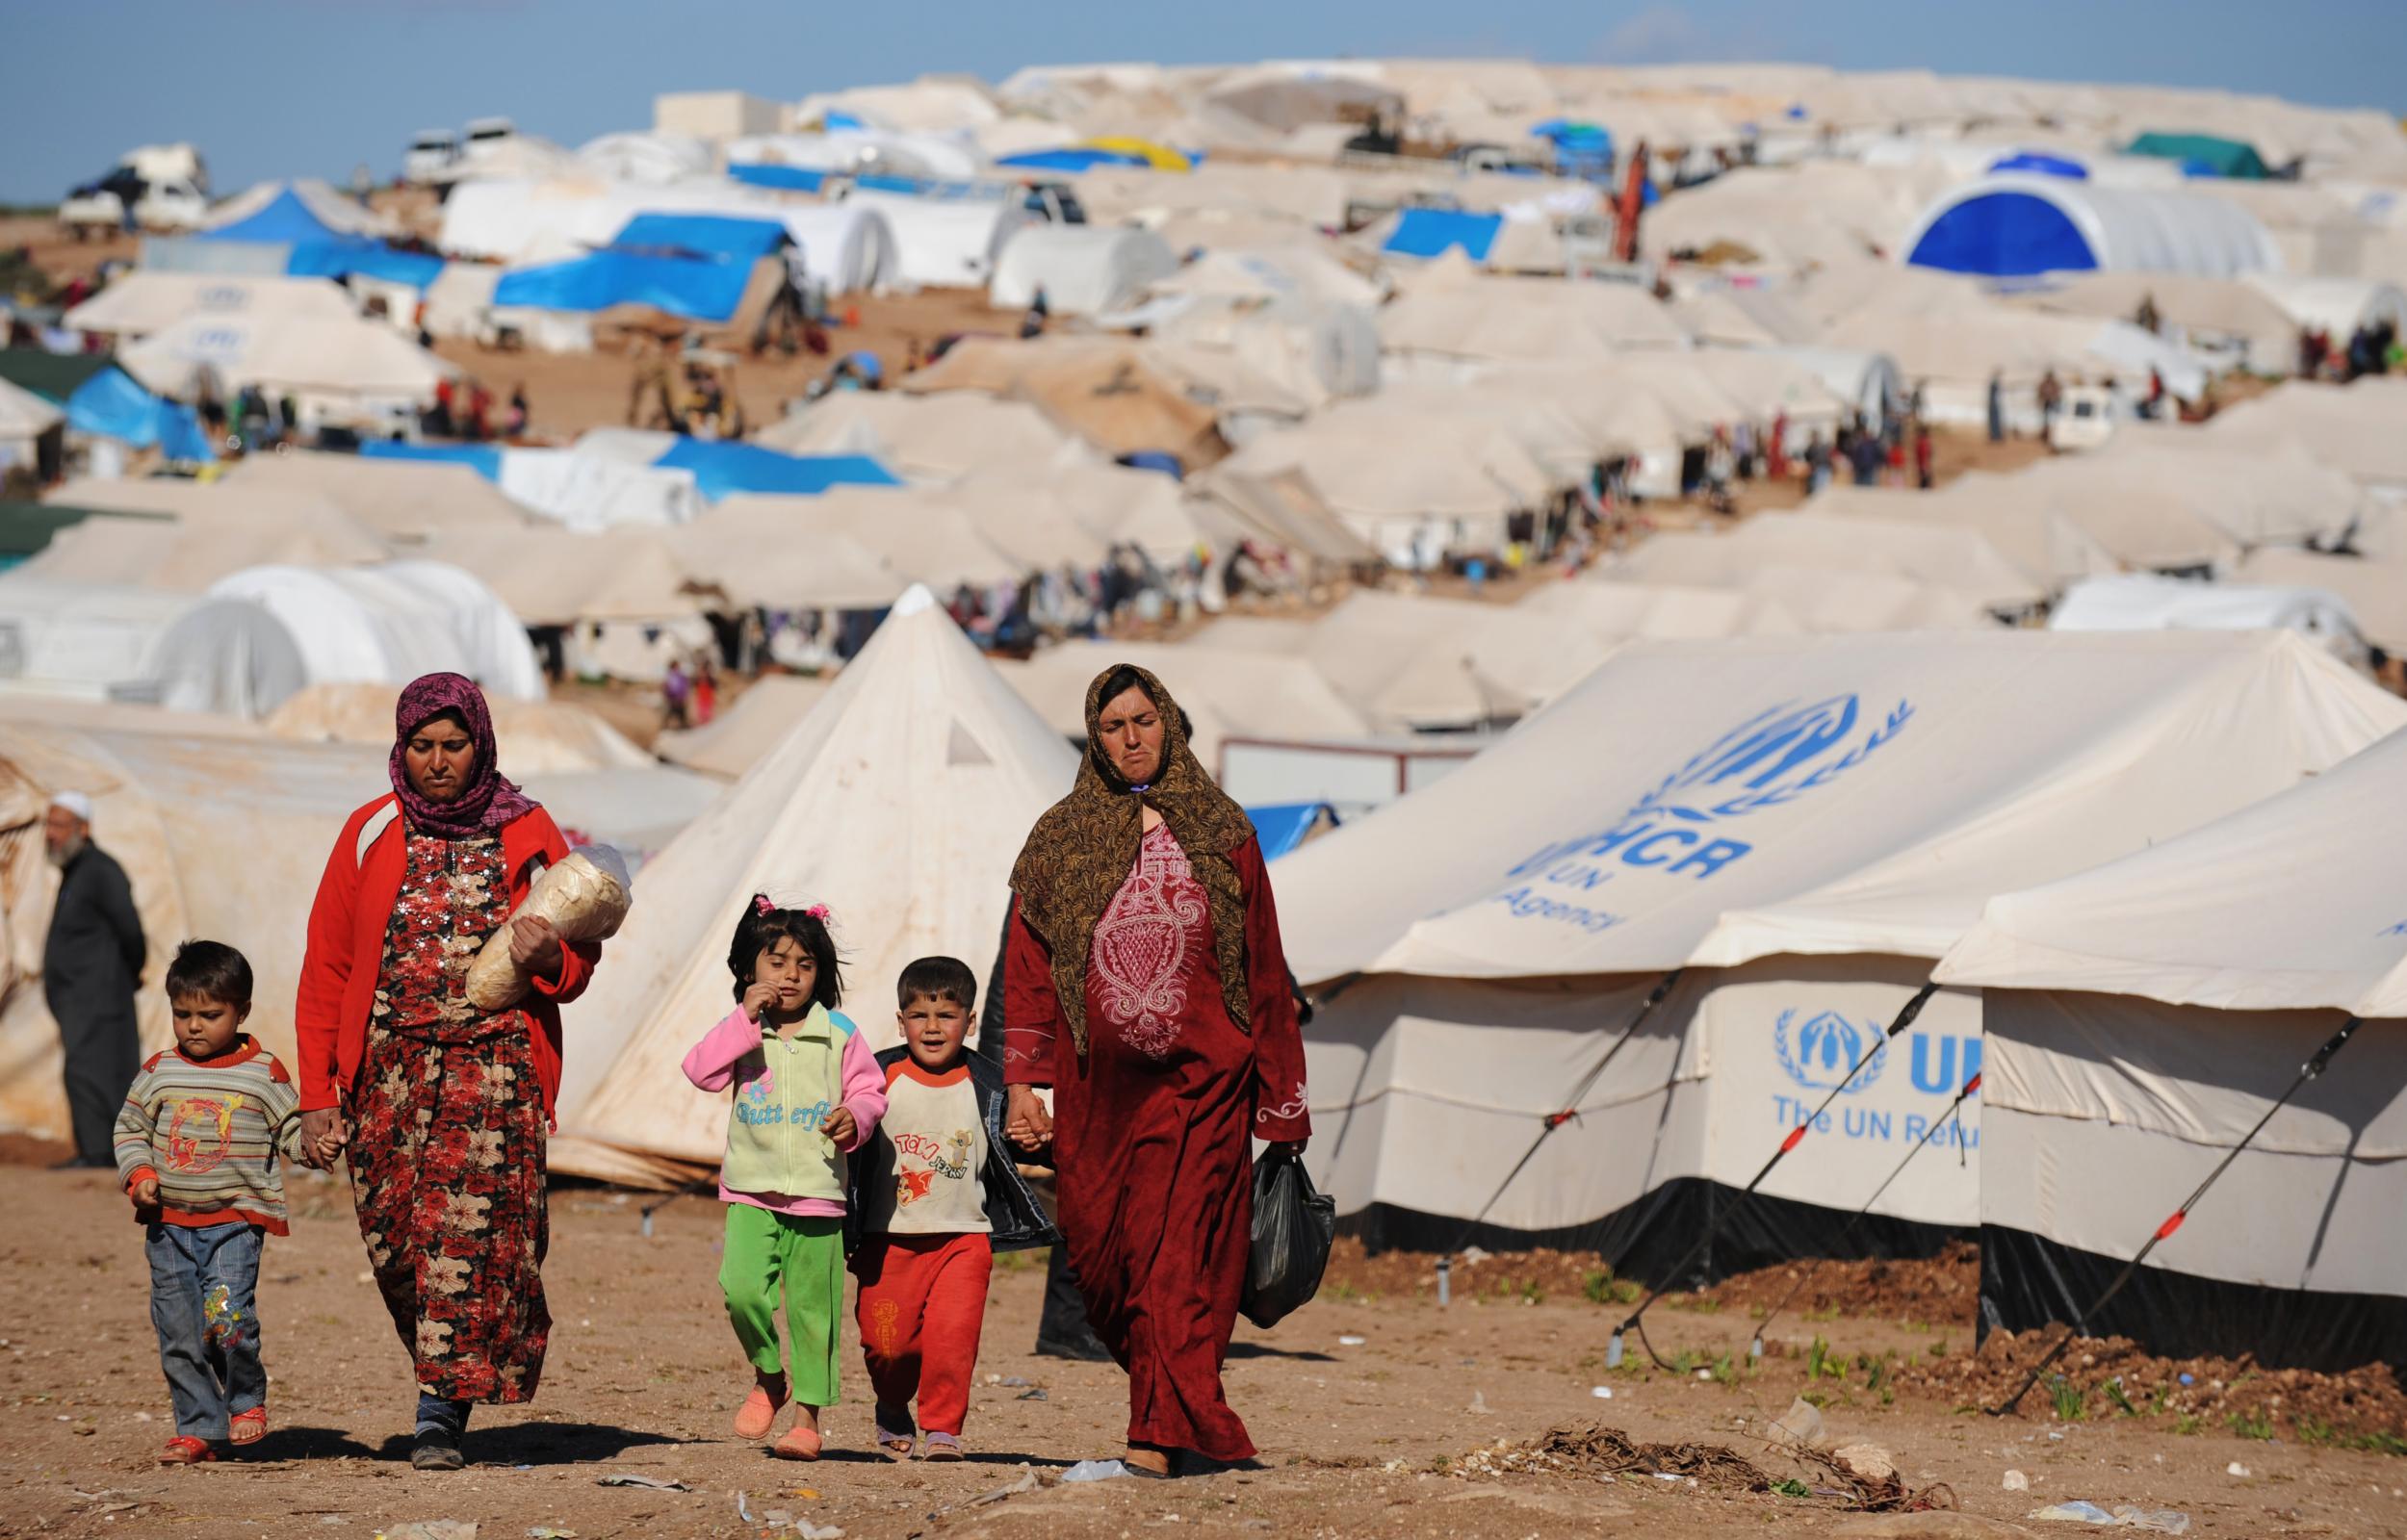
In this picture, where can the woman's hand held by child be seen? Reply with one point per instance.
(840, 1128)
(1029, 1125)
(758, 999)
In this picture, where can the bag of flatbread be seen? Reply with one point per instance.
(585, 896)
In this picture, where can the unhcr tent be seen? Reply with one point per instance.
(401, 499)
(1082, 270)
(189, 555)
(900, 801)
(2142, 1016)
(353, 370)
(1820, 822)
(140, 303)
(1956, 559)
(2375, 589)
(2018, 225)
(944, 435)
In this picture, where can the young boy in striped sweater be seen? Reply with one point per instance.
(197, 1146)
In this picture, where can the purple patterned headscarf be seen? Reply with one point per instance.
(490, 801)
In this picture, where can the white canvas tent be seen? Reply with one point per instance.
(900, 800)
(944, 243)
(1082, 270)
(350, 371)
(1226, 692)
(2142, 601)
(391, 623)
(1818, 821)
(138, 303)
(2142, 1016)
(743, 734)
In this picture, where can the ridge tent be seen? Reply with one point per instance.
(1528, 320)
(2019, 225)
(1619, 611)
(939, 771)
(399, 499)
(2375, 589)
(917, 533)
(143, 302)
(537, 737)
(189, 555)
(2044, 545)
(1227, 692)
(1082, 270)
(2141, 1017)
(1435, 232)
(742, 735)
(1820, 821)
(1956, 559)
(690, 287)
(112, 405)
(322, 233)
(948, 434)
(353, 372)
(1108, 392)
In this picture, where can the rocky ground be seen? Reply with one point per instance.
(1378, 1413)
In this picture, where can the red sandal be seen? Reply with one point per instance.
(185, 1449)
(249, 1427)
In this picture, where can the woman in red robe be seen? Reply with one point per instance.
(1145, 984)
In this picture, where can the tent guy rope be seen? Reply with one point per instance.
(2311, 1069)
(1953, 1116)
(1796, 1136)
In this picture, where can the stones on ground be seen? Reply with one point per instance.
(1869, 1462)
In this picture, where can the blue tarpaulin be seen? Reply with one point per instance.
(721, 469)
(1071, 160)
(112, 404)
(698, 290)
(285, 221)
(319, 250)
(713, 235)
(485, 459)
(2041, 165)
(789, 178)
(1431, 232)
(1282, 827)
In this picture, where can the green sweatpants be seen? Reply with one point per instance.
(805, 1253)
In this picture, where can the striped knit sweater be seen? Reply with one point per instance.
(208, 1132)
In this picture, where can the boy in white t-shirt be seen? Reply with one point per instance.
(939, 1193)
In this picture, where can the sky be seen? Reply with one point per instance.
(315, 87)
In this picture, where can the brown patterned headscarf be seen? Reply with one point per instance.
(1085, 846)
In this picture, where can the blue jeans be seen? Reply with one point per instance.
(202, 1286)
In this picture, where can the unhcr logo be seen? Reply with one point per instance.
(1818, 1052)
(1767, 761)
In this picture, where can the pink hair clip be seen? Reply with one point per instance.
(818, 911)
(761, 906)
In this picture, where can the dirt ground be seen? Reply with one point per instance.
(1377, 1415)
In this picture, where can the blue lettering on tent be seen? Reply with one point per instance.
(1767, 761)
(1936, 1065)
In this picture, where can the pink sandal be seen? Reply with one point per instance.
(249, 1428)
(800, 1442)
(759, 1412)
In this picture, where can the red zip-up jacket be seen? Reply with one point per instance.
(346, 926)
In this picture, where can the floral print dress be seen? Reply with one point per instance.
(447, 1147)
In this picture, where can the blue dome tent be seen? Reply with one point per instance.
(2041, 163)
(2020, 225)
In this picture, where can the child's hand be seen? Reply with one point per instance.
(1026, 1137)
(841, 1127)
(758, 999)
(145, 1196)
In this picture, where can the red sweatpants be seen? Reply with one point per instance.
(923, 1301)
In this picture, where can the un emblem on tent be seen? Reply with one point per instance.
(1819, 1053)
(1770, 758)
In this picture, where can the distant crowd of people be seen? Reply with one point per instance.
(1125, 591)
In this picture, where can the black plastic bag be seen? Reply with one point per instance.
(1293, 1229)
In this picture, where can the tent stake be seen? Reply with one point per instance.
(2310, 1071)
(1796, 1136)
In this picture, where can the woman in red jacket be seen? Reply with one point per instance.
(443, 1107)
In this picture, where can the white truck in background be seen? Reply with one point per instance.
(154, 187)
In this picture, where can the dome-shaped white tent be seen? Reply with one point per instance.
(2016, 224)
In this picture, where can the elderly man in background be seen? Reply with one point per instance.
(91, 966)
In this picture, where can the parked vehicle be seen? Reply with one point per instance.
(152, 186)
(431, 153)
